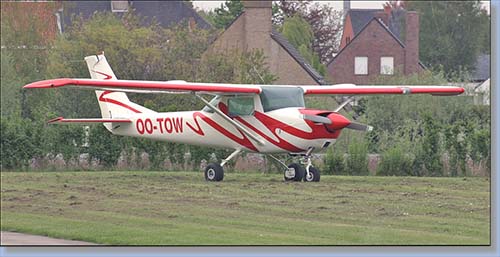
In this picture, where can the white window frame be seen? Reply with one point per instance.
(387, 65)
(119, 3)
(361, 68)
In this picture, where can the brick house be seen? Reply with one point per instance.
(166, 13)
(372, 45)
(252, 29)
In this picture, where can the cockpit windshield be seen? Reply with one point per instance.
(274, 98)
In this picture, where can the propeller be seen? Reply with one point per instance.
(336, 121)
(360, 127)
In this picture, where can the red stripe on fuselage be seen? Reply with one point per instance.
(317, 130)
(242, 141)
(112, 101)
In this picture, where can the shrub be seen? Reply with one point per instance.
(334, 162)
(395, 162)
(357, 159)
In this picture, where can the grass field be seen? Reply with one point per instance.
(180, 208)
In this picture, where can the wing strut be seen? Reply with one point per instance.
(344, 104)
(228, 119)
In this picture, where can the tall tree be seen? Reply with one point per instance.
(28, 30)
(451, 32)
(300, 35)
(226, 13)
(325, 23)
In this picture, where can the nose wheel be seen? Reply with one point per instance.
(312, 176)
(297, 172)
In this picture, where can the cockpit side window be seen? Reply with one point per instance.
(274, 98)
(240, 106)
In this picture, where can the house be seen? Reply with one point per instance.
(481, 70)
(252, 29)
(373, 44)
(482, 93)
(166, 13)
(480, 80)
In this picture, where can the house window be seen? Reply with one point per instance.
(387, 65)
(360, 65)
(119, 6)
(347, 40)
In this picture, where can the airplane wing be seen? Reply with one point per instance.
(140, 86)
(351, 89)
(61, 120)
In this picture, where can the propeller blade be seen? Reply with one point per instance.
(359, 126)
(317, 119)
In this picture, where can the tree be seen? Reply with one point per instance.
(221, 17)
(28, 30)
(452, 33)
(10, 86)
(300, 35)
(325, 24)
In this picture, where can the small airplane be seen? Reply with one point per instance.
(265, 119)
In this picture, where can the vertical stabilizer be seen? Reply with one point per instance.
(112, 104)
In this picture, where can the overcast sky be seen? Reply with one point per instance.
(209, 5)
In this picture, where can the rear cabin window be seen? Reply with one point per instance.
(240, 106)
(274, 98)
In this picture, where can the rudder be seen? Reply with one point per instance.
(112, 104)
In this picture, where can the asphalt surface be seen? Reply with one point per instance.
(19, 239)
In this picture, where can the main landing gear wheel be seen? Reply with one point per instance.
(312, 176)
(214, 172)
(295, 172)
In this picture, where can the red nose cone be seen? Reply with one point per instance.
(338, 121)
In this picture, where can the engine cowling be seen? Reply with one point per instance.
(338, 121)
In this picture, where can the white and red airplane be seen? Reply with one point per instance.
(254, 118)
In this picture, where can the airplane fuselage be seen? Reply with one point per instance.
(282, 130)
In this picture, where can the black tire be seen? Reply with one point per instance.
(299, 172)
(214, 172)
(315, 175)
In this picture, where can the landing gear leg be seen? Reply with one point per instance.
(293, 172)
(311, 174)
(215, 172)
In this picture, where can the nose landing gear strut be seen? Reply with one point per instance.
(297, 172)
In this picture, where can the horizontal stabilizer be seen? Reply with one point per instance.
(87, 121)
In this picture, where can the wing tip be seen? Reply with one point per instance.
(55, 120)
(49, 83)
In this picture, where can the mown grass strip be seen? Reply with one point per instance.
(180, 208)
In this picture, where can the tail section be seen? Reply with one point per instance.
(112, 104)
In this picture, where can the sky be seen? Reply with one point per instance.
(209, 5)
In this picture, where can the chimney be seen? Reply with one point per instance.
(411, 44)
(258, 24)
(347, 6)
